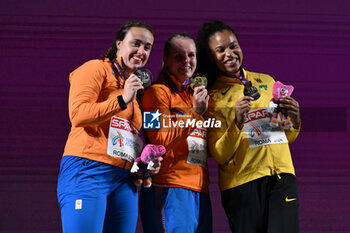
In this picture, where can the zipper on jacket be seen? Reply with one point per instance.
(278, 175)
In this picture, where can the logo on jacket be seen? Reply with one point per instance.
(224, 93)
(151, 120)
(258, 80)
(254, 128)
(195, 148)
(289, 199)
(263, 86)
(118, 139)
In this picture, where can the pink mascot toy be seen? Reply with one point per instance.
(143, 163)
(280, 90)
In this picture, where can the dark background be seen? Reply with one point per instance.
(304, 43)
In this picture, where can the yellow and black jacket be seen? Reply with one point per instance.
(228, 145)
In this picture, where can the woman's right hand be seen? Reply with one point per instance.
(242, 107)
(132, 85)
(200, 100)
(156, 166)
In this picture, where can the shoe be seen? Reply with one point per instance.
(138, 182)
(287, 124)
(147, 183)
(274, 123)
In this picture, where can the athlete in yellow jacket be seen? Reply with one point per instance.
(256, 173)
(241, 159)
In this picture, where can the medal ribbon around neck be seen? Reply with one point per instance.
(173, 85)
(141, 72)
(119, 69)
(240, 77)
(249, 89)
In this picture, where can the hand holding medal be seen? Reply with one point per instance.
(198, 83)
(144, 75)
(198, 80)
(250, 90)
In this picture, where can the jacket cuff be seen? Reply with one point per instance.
(121, 102)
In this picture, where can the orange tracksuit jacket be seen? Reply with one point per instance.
(94, 87)
(174, 171)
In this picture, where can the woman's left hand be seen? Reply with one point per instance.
(156, 166)
(291, 107)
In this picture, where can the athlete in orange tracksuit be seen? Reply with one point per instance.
(95, 190)
(179, 200)
(96, 79)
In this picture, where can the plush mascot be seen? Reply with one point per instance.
(143, 163)
(280, 90)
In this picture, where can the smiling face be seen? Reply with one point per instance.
(181, 60)
(226, 52)
(135, 48)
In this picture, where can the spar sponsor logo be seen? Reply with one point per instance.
(257, 115)
(258, 123)
(199, 133)
(119, 123)
(123, 139)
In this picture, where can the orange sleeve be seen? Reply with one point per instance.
(158, 97)
(85, 87)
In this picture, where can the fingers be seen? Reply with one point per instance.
(207, 99)
(244, 108)
(136, 87)
(199, 89)
(291, 107)
(157, 162)
(133, 82)
(132, 79)
(246, 98)
(288, 101)
(200, 92)
(201, 96)
(154, 171)
(243, 104)
(156, 166)
(241, 108)
(289, 104)
(200, 99)
(132, 85)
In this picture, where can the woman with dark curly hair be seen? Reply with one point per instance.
(256, 173)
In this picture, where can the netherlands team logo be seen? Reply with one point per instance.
(151, 120)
